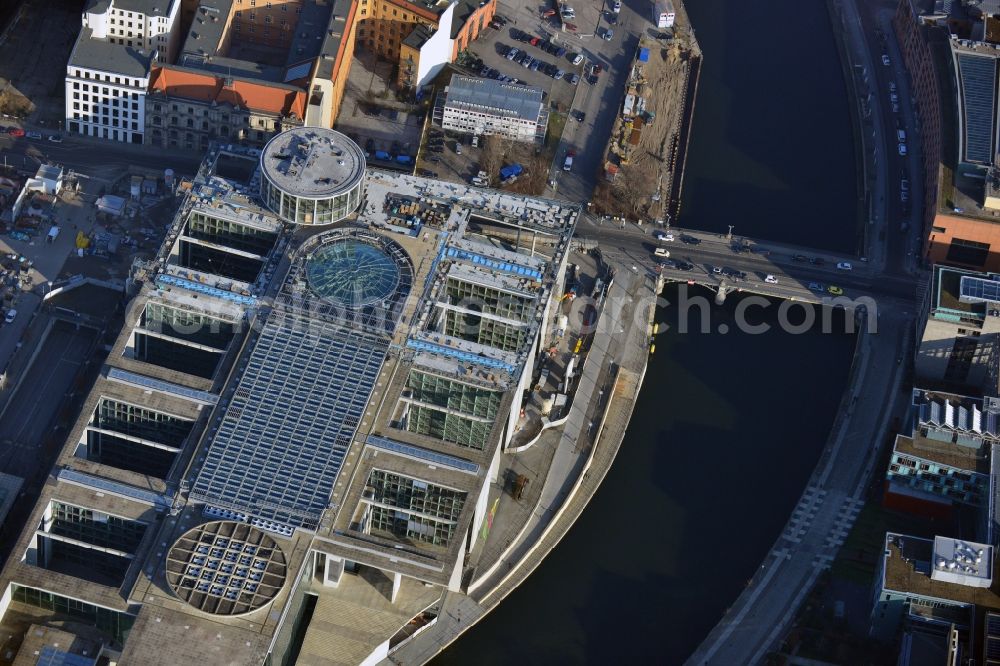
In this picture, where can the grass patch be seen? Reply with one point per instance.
(858, 557)
(553, 134)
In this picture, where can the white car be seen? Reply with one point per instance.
(901, 148)
(845, 265)
(663, 236)
(11, 316)
(885, 60)
(577, 59)
(770, 279)
(568, 13)
(616, 6)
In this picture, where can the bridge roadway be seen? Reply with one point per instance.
(792, 266)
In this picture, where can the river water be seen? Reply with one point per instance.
(729, 426)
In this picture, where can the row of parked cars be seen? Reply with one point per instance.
(544, 44)
(534, 64)
(17, 132)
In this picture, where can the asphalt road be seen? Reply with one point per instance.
(97, 159)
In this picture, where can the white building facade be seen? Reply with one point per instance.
(107, 75)
(143, 24)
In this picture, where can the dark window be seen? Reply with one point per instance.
(963, 251)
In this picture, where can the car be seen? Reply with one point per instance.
(800, 257)
(592, 80)
(568, 13)
(690, 240)
(15, 131)
(597, 69)
(844, 265)
(892, 86)
(895, 107)
(770, 279)
(661, 252)
(535, 41)
(458, 148)
(558, 75)
(568, 162)
(580, 116)
(608, 35)
(548, 13)
(835, 290)
(512, 54)
(684, 266)
(894, 98)
(816, 286)
(904, 196)
(616, 6)
(559, 52)
(902, 149)
(817, 261)
(572, 79)
(668, 263)
(716, 270)
(432, 158)
(496, 25)
(55, 138)
(526, 63)
(11, 316)
(475, 140)
(885, 60)
(576, 58)
(612, 19)
(904, 184)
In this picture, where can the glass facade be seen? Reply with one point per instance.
(481, 298)
(466, 413)
(115, 624)
(303, 210)
(127, 454)
(96, 528)
(404, 508)
(231, 234)
(485, 331)
(185, 325)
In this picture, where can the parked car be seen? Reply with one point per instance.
(575, 58)
(608, 35)
(616, 6)
(10, 316)
(15, 132)
(770, 279)
(844, 265)
(902, 149)
(816, 286)
(885, 60)
(835, 290)
(580, 116)
(55, 138)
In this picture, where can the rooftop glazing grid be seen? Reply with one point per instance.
(291, 418)
(352, 273)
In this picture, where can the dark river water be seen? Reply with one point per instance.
(728, 427)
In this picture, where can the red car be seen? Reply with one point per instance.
(548, 13)
(597, 68)
(15, 131)
(534, 41)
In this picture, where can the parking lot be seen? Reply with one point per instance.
(534, 56)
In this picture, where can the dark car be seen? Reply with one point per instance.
(684, 266)
(800, 257)
(690, 240)
(817, 261)
(433, 158)
(580, 116)
(370, 145)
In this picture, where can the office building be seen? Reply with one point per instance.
(484, 106)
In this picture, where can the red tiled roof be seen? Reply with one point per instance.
(206, 87)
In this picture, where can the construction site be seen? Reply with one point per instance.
(644, 162)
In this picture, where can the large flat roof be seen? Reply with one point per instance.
(510, 100)
(907, 569)
(312, 162)
(98, 54)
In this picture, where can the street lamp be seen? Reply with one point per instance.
(729, 236)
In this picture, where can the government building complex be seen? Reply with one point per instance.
(292, 448)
